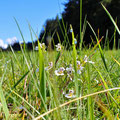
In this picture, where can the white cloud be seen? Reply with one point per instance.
(2, 44)
(12, 40)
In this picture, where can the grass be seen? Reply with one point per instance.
(22, 91)
(60, 84)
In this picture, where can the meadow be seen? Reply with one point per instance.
(60, 84)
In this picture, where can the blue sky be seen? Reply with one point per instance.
(34, 11)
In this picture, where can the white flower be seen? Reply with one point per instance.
(58, 47)
(91, 62)
(71, 30)
(49, 66)
(60, 71)
(79, 67)
(42, 45)
(78, 64)
(75, 41)
(36, 48)
(69, 70)
(85, 59)
(70, 94)
(79, 71)
(96, 81)
(63, 93)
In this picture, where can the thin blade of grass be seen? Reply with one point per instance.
(18, 82)
(114, 23)
(41, 74)
(116, 61)
(20, 32)
(101, 53)
(81, 40)
(4, 104)
(75, 68)
(76, 99)
(90, 101)
(2, 98)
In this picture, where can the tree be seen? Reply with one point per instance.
(96, 16)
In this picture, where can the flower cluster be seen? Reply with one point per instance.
(67, 73)
(70, 94)
(58, 47)
(49, 66)
(86, 60)
(79, 67)
(42, 45)
(60, 71)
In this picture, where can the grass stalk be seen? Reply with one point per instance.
(90, 101)
(2, 97)
(81, 40)
(41, 75)
(114, 23)
(20, 33)
(76, 99)
(75, 68)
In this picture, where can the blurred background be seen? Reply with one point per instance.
(52, 18)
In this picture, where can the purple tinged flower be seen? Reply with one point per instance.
(60, 71)
(49, 66)
(58, 47)
(70, 94)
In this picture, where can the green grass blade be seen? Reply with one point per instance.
(101, 53)
(20, 32)
(114, 23)
(18, 82)
(4, 104)
(90, 101)
(31, 36)
(75, 68)
(42, 74)
(81, 40)
(12, 91)
(2, 98)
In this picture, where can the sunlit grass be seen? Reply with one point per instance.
(22, 93)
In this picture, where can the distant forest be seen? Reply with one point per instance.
(58, 29)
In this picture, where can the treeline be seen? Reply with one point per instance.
(57, 30)
(94, 13)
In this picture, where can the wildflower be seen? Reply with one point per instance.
(63, 93)
(58, 47)
(60, 71)
(75, 41)
(49, 66)
(71, 30)
(37, 70)
(78, 64)
(85, 59)
(79, 67)
(70, 94)
(91, 62)
(36, 48)
(69, 70)
(42, 45)
(96, 81)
